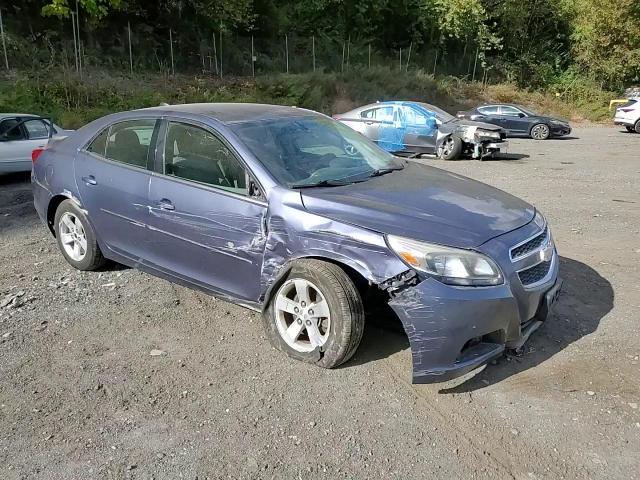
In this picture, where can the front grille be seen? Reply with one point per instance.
(534, 244)
(534, 274)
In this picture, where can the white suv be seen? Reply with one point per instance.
(628, 114)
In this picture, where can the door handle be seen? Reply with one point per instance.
(368, 123)
(165, 204)
(90, 180)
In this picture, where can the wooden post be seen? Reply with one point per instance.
(475, 63)
(130, 53)
(286, 49)
(409, 56)
(215, 53)
(348, 51)
(313, 51)
(75, 39)
(253, 60)
(173, 69)
(435, 63)
(4, 45)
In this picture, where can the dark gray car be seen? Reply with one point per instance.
(518, 121)
(290, 213)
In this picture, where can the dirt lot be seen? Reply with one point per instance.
(81, 395)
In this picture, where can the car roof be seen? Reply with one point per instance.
(228, 113)
(22, 115)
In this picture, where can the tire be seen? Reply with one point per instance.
(339, 333)
(630, 129)
(451, 148)
(69, 219)
(540, 131)
(636, 127)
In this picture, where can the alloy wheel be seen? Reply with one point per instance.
(302, 315)
(73, 236)
(540, 132)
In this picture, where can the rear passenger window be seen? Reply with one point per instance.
(129, 142)
(36, 129)
(196, 154)
(99, 144)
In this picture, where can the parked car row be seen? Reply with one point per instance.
(628, 115)
(298, 216)
(415, 128)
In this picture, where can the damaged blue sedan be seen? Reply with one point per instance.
(293, 214)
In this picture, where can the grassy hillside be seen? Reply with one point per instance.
(72, 102)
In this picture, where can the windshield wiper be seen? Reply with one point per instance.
(383, 171)
(323, 183)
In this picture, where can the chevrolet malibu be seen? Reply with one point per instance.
(290, 213)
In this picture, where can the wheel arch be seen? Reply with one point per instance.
(358, 275)
(54, 203)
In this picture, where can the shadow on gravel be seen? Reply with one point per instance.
(383, 336)
(16, 201)
(500, 157)
(585, 299)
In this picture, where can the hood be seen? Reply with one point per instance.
(424, 203)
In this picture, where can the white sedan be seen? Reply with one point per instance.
(21, 134)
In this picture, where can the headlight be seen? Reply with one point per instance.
(539, 219)
(452, 266)
(488, 134)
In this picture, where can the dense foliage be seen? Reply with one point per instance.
(529, 42)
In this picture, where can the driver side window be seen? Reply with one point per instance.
(509, 111)
(9, 130)
(193, 153)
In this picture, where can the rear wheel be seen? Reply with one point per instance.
(636, 127)
(316, 315)
(451, 148)
(540, 131)
(630, 129)
(76, 238)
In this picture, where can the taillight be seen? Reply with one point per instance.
(36, 153)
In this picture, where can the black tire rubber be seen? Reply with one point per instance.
(630, 129)
(542, 138)
(455, 152)
(636, 127)
(345, 306)
(93, 259)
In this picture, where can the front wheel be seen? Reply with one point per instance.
(636, 127)
(630, 129)
(316, 315)
(450, 149)
(76, 238)
(540, 131)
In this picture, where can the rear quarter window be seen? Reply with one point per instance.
(99, 144)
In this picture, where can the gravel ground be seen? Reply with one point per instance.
(117, 374)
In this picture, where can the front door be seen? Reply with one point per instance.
(205, 226)
(421, 129)
(513, 120)
(112, 176)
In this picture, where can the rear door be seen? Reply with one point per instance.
(18, 138)
(112, 174)
(488, 114)
(207, 215)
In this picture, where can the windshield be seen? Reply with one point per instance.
(441, 115)
(314, 150)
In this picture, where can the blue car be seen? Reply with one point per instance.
(290, 213)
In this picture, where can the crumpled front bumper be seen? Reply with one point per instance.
(453, 330)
